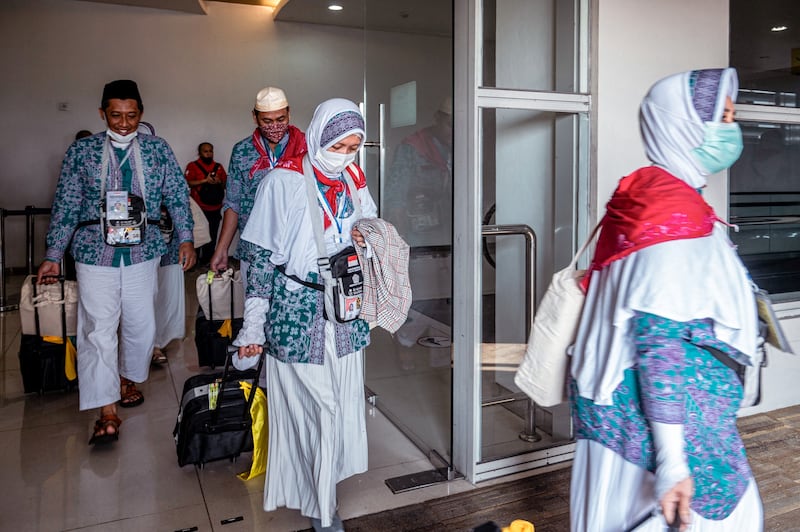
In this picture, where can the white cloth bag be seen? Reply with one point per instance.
(48, 302)
(220, 287)
(201, 234)
(542, 375)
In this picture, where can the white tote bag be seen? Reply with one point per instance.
(201, 234)
(221, 287)
(542, 375)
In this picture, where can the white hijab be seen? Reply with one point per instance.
(681, 280)
(333, 120)
(673, 114)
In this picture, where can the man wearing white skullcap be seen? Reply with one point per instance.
(273, 140)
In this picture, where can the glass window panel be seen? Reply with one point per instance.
(765, 49)
(530, 45)
(765, 204)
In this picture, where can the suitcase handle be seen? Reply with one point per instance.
(232, 350)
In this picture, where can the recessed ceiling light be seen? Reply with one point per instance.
(779, 28)
(335, 7)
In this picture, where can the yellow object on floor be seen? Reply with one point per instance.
(71, 358)
(258, 412)
(519, 525)
(226, 330)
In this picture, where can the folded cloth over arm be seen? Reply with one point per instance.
(387, 288)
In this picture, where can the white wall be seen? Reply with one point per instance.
(198, 75)
(638, 44)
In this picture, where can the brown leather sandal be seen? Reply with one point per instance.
(101, 434)
(130, 395)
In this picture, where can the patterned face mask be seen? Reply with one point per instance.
(275, 131)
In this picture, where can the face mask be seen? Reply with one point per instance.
(721, 147)
(274, 132)
(332, 163)
(121, 141)
(207, 160)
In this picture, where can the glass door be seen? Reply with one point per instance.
(526, 205)
(408, 156)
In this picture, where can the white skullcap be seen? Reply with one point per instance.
(270, 99)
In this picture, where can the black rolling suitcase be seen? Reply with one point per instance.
(211, 346)
(204, 434)
(41, 363)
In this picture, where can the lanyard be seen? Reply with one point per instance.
(271, 157)
(341, 199)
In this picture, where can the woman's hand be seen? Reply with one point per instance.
(250, 350)
(679, 499)
(358, 238)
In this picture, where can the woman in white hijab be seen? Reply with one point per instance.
(654, 411)
(313, 368)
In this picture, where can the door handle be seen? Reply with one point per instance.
(381, 145)
(530, 263)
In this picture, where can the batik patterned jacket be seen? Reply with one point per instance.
(676, 381)
(77, 200)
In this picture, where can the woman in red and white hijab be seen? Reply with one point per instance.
(314, 374)
(654, 411)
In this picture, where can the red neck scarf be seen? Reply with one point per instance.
(296, 146)
(337, 186)
(650, 206)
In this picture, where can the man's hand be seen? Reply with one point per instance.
(47, 268)
(187, 257)
(219, 260)
(679, 499)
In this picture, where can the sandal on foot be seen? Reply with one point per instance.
(130, 395)
(158, 356)
(101, 434)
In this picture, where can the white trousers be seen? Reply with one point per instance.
(116, 328)
(170, 305)
(317, 430)
(610, 494)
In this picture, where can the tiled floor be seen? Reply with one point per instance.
(53, 481)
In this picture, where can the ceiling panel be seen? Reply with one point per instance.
(430, 17)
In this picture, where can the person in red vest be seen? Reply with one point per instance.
(206, 179)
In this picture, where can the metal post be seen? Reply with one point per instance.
(29, 234)
(5, 305)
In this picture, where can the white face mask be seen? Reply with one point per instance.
(120, 141)
(333, 163)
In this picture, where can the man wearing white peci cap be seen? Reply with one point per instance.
(273, 140)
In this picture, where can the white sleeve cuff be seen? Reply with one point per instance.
(255, 316)
(671, 464)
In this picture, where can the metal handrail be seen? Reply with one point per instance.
(29, 212)
(529, 434)
(530, 262)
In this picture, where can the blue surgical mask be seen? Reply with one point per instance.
(721, 147)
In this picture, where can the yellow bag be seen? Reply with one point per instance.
(260, 428)
(70, 362)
